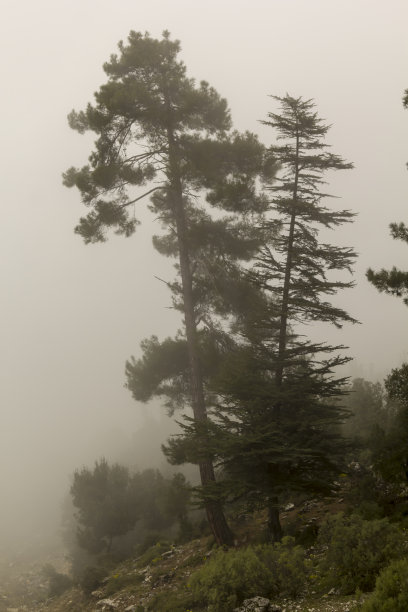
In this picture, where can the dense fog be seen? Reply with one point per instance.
(73, 314)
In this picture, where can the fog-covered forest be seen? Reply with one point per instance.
(205, 381)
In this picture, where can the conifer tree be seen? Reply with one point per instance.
(295, 271)
(276, 426)
(157, 129)
(107, 504)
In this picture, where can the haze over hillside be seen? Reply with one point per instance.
(73, 314)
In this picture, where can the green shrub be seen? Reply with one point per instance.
(168, 601)
(230, 577)
(287, 564)
(357, 550)
(391, 590)
(369, 510)
(57, 583)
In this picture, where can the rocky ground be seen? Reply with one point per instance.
(159, 577)
(131, 588)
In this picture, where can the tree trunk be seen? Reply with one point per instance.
(274, 526)
(215, 515)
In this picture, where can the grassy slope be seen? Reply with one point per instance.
(158, 581)
(162, 586)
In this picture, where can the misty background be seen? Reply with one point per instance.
(72, 314)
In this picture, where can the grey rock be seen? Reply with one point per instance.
(168, 554)
(107, 604)
(258, 604)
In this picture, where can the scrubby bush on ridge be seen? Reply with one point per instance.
(231, 576)
(357, 550)
(391, 590)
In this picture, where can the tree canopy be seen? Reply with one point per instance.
(277, 421)
(159, 130)
(107, 504)
(274, 426)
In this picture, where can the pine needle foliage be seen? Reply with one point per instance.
(162, 136)
(276, 422)
(394, 281)
(297, 270)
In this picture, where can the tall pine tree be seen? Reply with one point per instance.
(157, 129)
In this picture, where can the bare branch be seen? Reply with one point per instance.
(141, 197)
(163, 281)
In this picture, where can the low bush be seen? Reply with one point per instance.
(231, 576)
(168, 601)
(391, 590)
(288, 566)
(357, 550)
(370, 510)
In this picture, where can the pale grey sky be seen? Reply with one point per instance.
(71, 314)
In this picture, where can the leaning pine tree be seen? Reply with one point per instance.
(276, 424)
(157, 129)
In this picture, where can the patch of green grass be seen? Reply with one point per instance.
(173, 601)
(153, 554)
(117, 582)
(194, 560)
